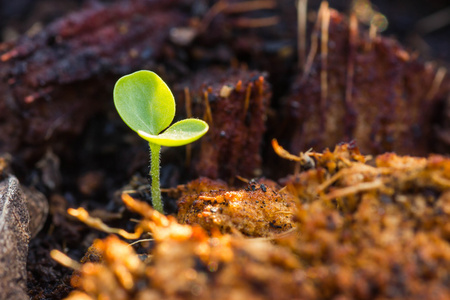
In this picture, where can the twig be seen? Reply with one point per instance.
(325, 24)
(372, 35)
(248, 93)
(314, 42)
(438, 78)
(82, 215)
(65, 260)
(344, 172)
(283, 153)
(304, 159)
(439, 179)
(351, 190)
(302, 9)
(140, 241)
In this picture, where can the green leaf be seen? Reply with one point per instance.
(144, 102)
(179, 134)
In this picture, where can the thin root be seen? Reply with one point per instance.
(286, 155)
(140, 241)
(82, 215)
(438, 78)
(361, 168)
(242, 179)
(248, 93)
(437, 178)
(351, 190)
(64, 260)
(208, 114)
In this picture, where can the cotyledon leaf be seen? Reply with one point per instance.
(179, 134)
(144, 102)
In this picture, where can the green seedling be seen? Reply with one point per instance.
(146, 104)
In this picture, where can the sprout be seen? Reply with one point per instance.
(146, 104)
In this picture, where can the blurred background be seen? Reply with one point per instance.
(422, 25)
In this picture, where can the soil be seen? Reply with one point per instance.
(87, 160)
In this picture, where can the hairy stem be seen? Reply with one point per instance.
(154, 173)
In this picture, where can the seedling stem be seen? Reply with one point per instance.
(155, 155)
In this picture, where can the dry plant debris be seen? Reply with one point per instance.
(374, 231)
(260, 210)
(186, 263)
(363, 230)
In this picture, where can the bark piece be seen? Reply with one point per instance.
(53, 82)
(367, 88)
(234, 104)
(14, 238)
